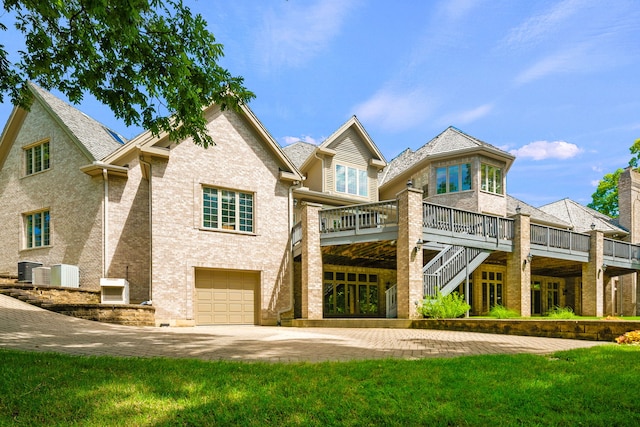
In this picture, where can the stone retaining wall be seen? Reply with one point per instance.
(126, 314)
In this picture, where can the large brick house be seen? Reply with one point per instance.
(246, 232)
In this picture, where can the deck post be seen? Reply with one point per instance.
(409, 254)
(518, 286)
(311, 262)
(593, 277)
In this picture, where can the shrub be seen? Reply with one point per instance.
(444, 306)
(501, 312)
(561, 313)
(632, 338)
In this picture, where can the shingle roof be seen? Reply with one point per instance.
(537, 216)
(581, 217)
(298, 152)
(450, 140)
(94, 136)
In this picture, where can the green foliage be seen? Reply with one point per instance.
(152, 62)
(605, 199)
(635, 151)
(501, 312)
(444, 306)
(561, 313)
(632, 338)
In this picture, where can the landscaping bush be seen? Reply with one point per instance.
(561, 313)
(444, 306)
(501, 312)
(632, 338)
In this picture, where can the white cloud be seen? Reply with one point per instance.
(395, 111)
(297, 32)
(542, 25)
(458, 9)
(595, 183)
(561, 62)
(288, 140)
(541, 150)
(465, 117)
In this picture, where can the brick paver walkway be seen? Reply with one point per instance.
(26, 327)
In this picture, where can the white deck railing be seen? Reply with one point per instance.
(621, 250)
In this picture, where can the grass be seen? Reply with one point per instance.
(591, 387)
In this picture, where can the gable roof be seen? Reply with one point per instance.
(92, 138)
(538, 216)
(581, 217)
(448, 142)
(146, 142)
(325, 147)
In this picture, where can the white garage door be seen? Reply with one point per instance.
(226, 297)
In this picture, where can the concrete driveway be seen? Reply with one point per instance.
(25, 327)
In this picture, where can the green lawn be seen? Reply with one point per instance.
(591, 387)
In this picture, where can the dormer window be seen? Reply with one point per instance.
(36, 157)
(453, 178)
(491, 179)
(351, 180)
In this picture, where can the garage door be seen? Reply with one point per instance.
(226, 297)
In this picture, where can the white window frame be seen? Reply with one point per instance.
(227, 209)
(355, 180)
(37, 157)
(491, 178)
(457, 180)
(37, 220)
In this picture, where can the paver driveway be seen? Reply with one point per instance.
(26, 327)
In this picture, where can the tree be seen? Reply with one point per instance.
(605, 199)
(152, 62)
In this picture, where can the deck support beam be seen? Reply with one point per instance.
(518, 284)
(409, 252)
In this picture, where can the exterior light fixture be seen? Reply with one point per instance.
(604, 267)
(593, 225)
(410, 183)
(518, 209)
(419, 244)
(528, 258)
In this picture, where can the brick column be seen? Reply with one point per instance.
(593, 277)
(409, 260)
(311, 262)
(518, 286)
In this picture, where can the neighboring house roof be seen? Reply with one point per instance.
(97, 139)
(537, 216)
(299, 152)
(581, 217)
(450, 141)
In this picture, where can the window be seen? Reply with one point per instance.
(227, 210)
(37, 226)
(491, 283)
(36, 158)
(350, 294)
(351, 181)
(491, 179)
(454, 178)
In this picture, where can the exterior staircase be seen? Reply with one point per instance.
(449, 267)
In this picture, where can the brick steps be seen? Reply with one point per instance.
(81, 304)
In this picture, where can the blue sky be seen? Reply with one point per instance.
(557, 83)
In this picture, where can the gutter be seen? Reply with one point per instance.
(105, 223)
(148, 165)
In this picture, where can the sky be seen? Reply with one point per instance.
(556, 83)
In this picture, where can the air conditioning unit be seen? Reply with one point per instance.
(65, 275)
(41, 276)
(24, 270)
(114, 291)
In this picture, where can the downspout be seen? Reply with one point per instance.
(105, 223)
(148, 165)
(289, 307)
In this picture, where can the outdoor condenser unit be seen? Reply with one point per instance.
(114, 291)
(65, 275)
(41, 276)
(24, 270)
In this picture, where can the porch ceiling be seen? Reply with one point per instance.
(380, 254)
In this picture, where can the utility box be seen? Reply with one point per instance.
(41, 276)
(25, 270)
(114, 291)
(65, 275)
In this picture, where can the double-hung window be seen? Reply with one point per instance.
(351, 181)
(227, 209)
(37, 229)
(36, 158)
(491, 179)
(454, 178)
